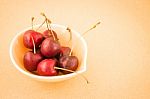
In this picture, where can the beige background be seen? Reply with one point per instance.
(118, 49)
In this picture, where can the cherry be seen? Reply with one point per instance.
(31, 60)
(27, 38)
(68, 62)
(31, 34)
(50, 48)
(46, 68)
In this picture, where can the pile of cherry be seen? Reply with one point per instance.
(47, 57)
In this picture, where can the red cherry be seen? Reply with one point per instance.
(46, 68)
(27, 38)
(50, 48)
(31, 60)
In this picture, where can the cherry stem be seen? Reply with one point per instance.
(34, 50)
(48, 22)
(49, 28)
(40, 25)
(94, 26)
(71, 51)
(72, 72)
(69, 30)
(32, 19)
(45, 20)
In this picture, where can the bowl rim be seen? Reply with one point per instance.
(48, 77)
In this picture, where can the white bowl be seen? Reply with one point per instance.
(17, 51)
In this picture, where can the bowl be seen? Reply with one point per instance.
(17, 51)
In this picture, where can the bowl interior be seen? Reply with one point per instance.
(18, 50)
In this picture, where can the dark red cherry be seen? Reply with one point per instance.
(63, 51)
(68, 62)
(31, 60)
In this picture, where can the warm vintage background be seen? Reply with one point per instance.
(118, 49)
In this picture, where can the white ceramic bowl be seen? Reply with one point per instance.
(17, 51)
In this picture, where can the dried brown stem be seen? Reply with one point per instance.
(48, 22)
(32, 19)
(40, 25)
(69, 30)
(94, 26)
(72, 72)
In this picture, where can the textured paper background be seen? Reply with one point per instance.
(118, 49)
